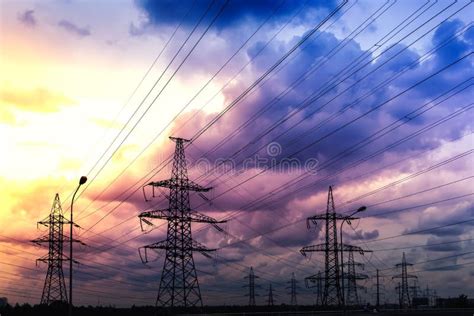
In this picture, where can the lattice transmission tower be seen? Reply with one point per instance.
(379, 290)
(270, 300)
(179, 284)
(332, 294)
(251, 286)
(431, 295)
(292, 288)
(402, 288)
(316, 282)
(54, 289)
(352, 296)
(415, 289)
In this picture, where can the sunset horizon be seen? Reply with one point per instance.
(259, 154)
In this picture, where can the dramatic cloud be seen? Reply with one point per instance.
(334, 113)
(361, 235)
(269, 226)
(237, 12)
(438, 244)
(27, 18)
(161, 14)
(74, 29)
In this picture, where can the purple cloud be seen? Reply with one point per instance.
(74, 29)
(27, 18)
(170, 12)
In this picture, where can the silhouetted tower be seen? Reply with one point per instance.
(398, 288)
(352, 297)
(251, 286)
(404, 295)
(179, 284)
(54, 289)
(377, 304)
(332, 287)
(292, 288)
(270, 296)
(379, 288)
(316, 282)
(414, 289)
(430, 295)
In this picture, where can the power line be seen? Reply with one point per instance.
(135, 191)
(345, 169)
(233, 103)
(211, 3)
(186, 105)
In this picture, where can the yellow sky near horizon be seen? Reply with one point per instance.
(62, 101)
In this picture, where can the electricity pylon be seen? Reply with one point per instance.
(415, 289)
(316, 282)
(431, 295)
(352, 297)
(179, 282)
(54, 289)
(332, 287)
(292, 288)
(251, 286)
(270, 296)
(379, 288)
(404, 295)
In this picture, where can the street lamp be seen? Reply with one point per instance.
(346, 219)
(82, 180)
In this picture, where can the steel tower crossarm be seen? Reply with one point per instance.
(185, 185)
(192, 216)
(322, 248)
(313, 279)
(324, 217)
(410, 276)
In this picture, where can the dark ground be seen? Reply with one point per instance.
(27, 310)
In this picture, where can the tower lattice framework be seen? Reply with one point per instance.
(352, 297)
(54, 289)
(403, 288)
(332, 294)
(251, 286)
(292, 289)
(179, 284)
(270, 300)
(316, 282)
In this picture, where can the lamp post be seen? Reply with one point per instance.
(82, 180)
(346, 219)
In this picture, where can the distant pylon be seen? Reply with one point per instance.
(414, 289)
(332, 287)
(316, 282)
(251, 286)
(270, 296)
(292, 288)
(431, 295)
(54, 289)
(377, 304)
(404, 295)
(179, 283)
(352, 297)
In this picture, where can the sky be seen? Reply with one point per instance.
(281, 99)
